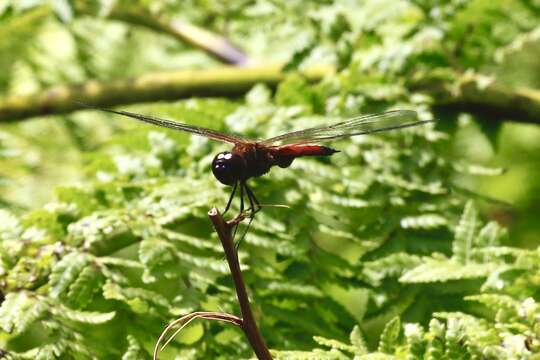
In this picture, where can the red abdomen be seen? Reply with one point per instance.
(284, 155)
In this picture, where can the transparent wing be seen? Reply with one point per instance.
(211, 134)
(355, 126)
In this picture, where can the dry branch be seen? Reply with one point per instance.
(224, 231)
(215, 45)
(186, 320)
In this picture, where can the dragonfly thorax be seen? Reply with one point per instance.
(228, 167)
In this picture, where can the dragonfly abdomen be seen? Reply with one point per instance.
(284, 155)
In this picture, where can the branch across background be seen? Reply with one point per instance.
(481, 95)
(468, 93)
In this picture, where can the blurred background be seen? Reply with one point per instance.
(471, 65)
(68, 42)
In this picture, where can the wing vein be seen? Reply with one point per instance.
(360, 125)
(212, 134)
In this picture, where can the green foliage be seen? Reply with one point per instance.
(389, 336)
(378, 257)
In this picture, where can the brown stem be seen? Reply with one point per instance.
(215, 45)
(224, 231)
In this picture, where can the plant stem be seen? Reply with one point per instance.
(480, 95)
(224, 231)
(224, 81)
(471, 93)
(213, 44)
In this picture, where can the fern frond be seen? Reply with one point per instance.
(316, 354)
(334, 344)
(102, 232)
(285, 248)
(505, 306)
(139, 300)
(491, 235)
(87, 317)
(475, 169)
(414, 335)
(289, 288)
(434, 188)
(358, 341)
(135, 351)
(70, 271)
(454, 340)
(19, 311)
(393, 265)
(389, 336)
(425, 221)
(81, 291)
(465, 233)
(445, 270)
(435, 337)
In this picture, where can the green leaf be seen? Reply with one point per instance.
(295, 91)
(497, 302)
(102, 232)
(465, 233)
(425, 221)
(316, 354)
(99, 271)
(134, 351)
(288, 288)
(454, 338)
(19, 311)
(139, 300)
(87, 317)
(153, 252)
(389, 337)
(334, 344)
(490, 235)
(62, 8)
(414, 335)
(435, 336)
(358, 341)
(68, 272)
(474, 169)
(445, 270)
(393, 265)
(300, 55)
(82, 291)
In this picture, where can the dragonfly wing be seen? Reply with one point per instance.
(367, 124)
(211, 134)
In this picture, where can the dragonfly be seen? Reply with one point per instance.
(250, 158)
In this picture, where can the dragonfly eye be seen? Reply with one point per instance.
(228, 167)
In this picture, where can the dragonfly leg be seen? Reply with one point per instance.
(254, 203)
(231, 198)
(242, 185)
(251, 217)
(254, 207)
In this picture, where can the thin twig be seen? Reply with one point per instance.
(185, 320)
(224, 231)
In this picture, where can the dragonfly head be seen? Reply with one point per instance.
(228, 167)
